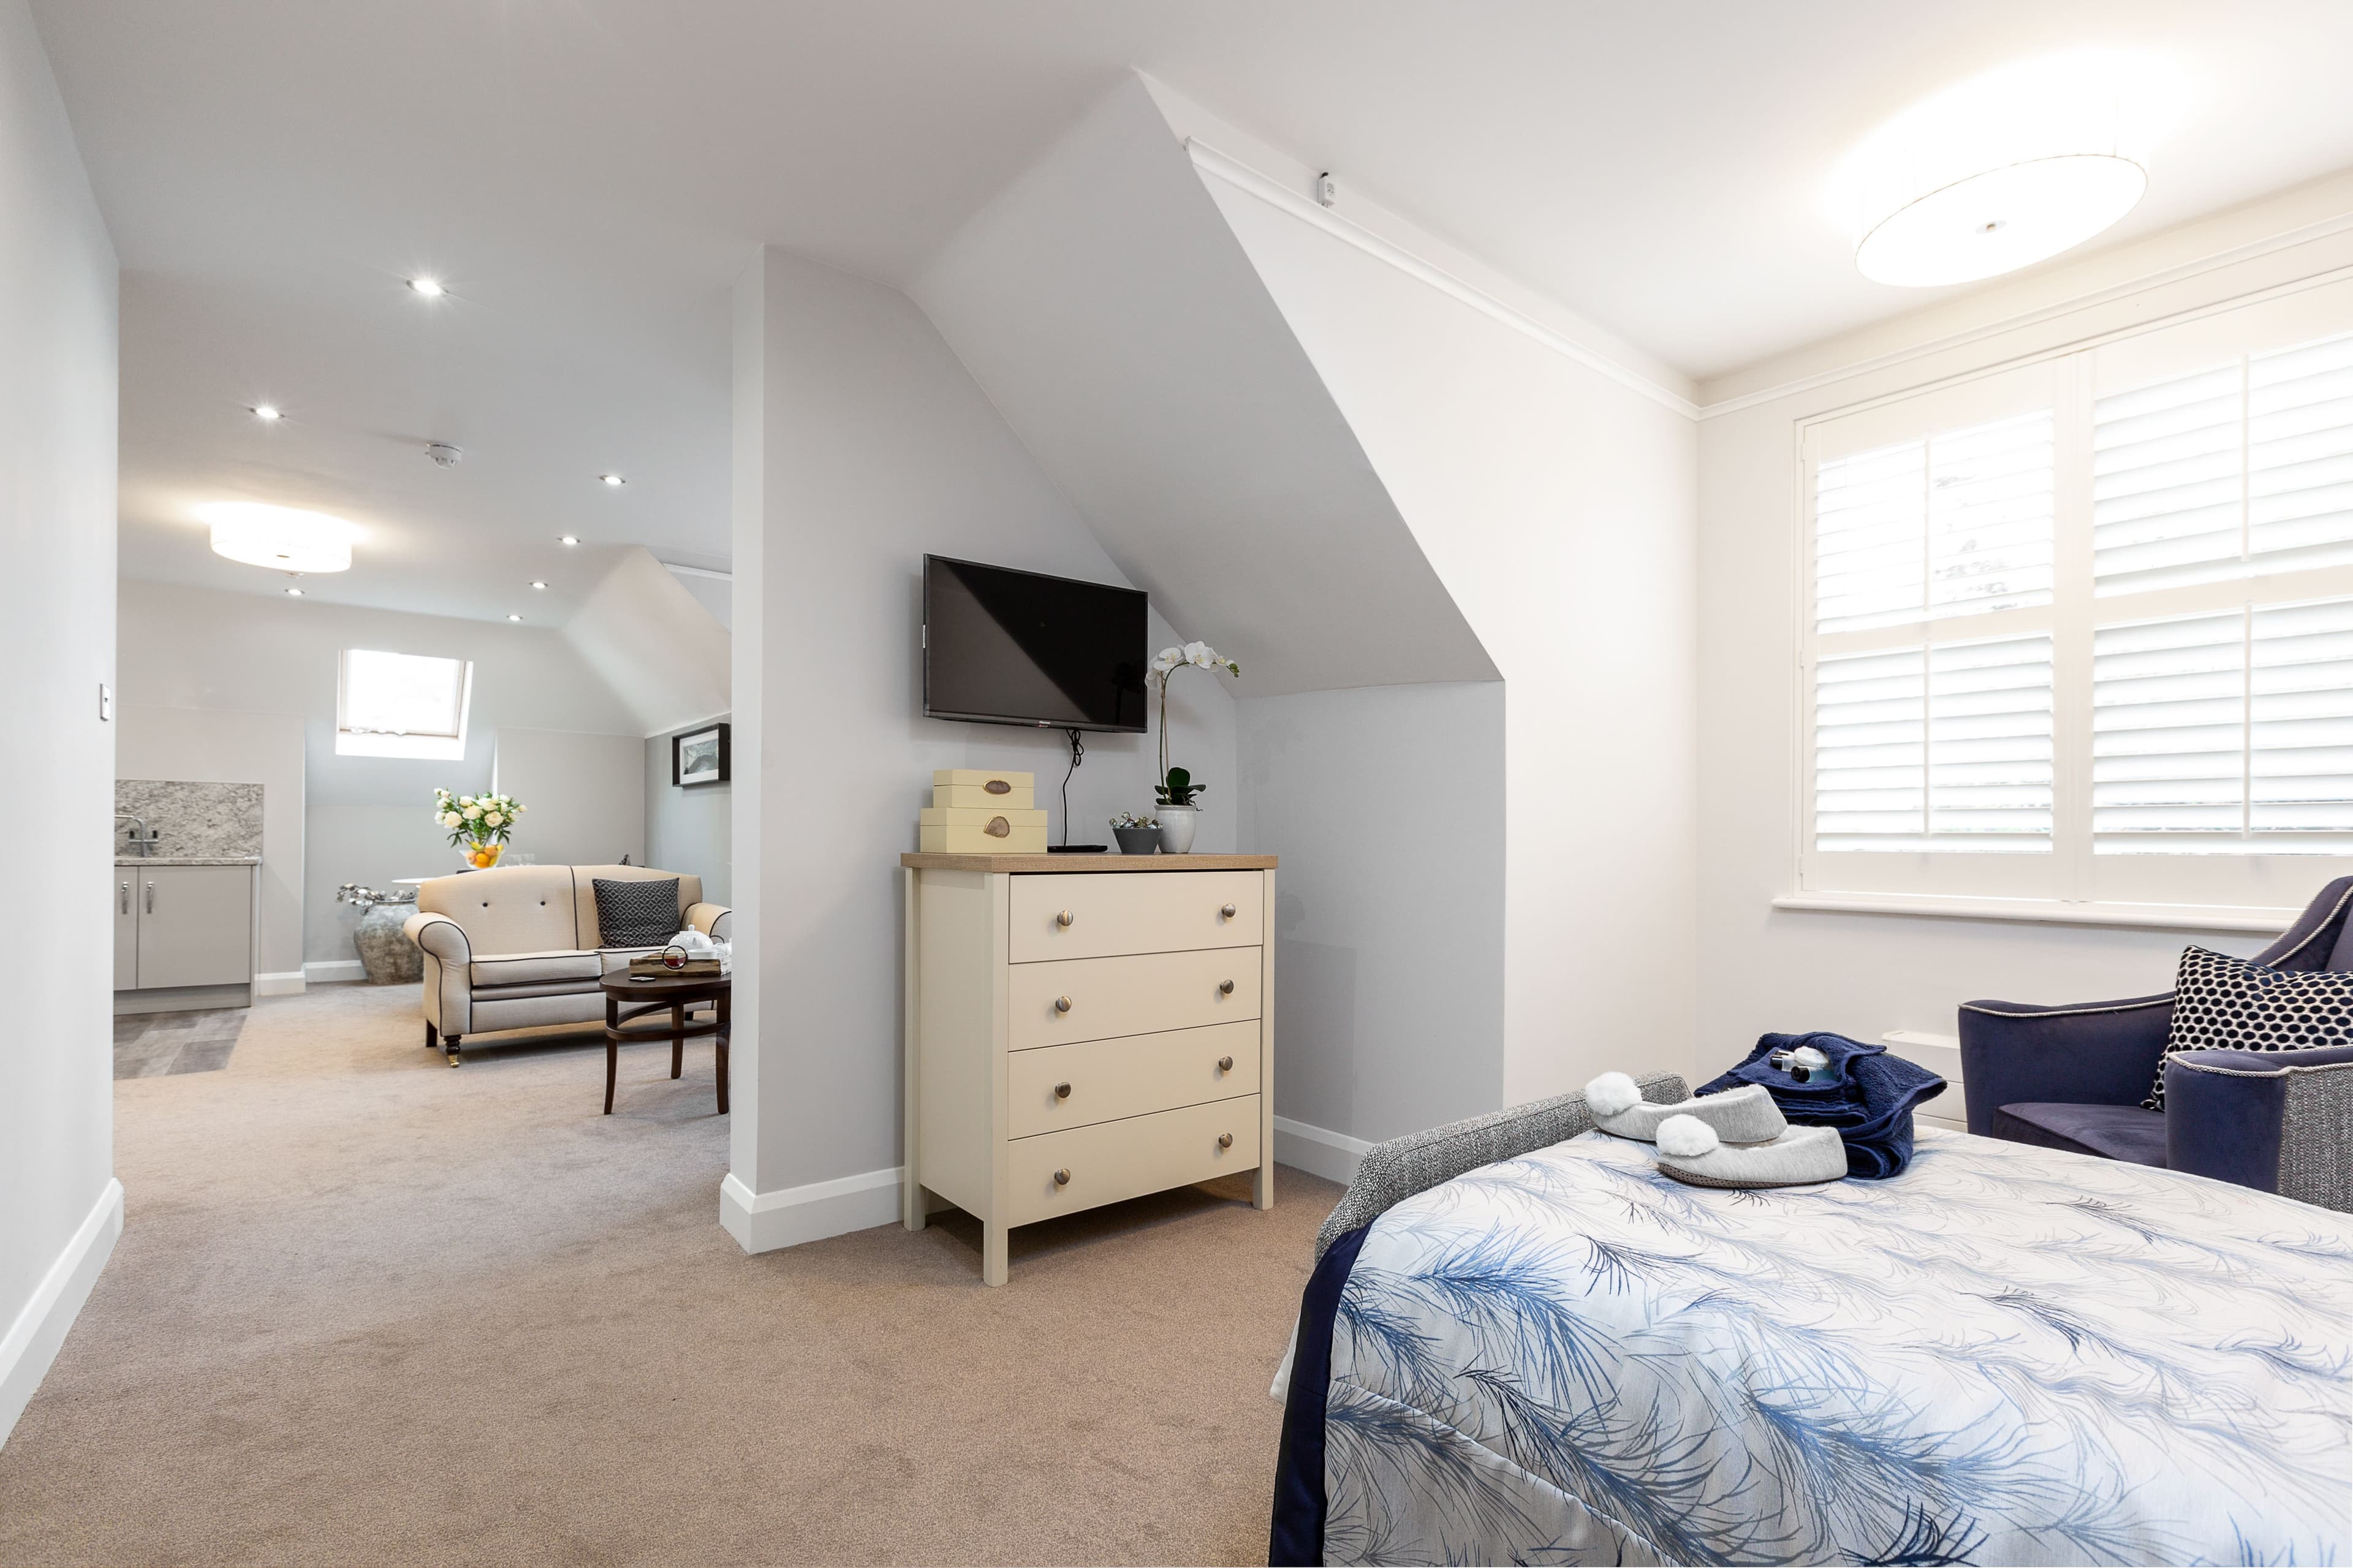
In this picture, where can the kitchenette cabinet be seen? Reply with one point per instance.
(183, 935)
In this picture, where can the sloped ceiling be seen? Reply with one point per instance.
(1105, 306)
(661, 650)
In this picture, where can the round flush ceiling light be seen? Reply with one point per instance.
(280, 537)
(2003, 169)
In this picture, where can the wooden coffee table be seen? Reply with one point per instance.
(627, 999)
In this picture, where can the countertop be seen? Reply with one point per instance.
(188, 860)
(1032, 863)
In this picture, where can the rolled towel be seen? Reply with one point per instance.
(1737, 1117)
(1801, 1156)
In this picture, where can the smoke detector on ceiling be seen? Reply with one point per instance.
(443, 454)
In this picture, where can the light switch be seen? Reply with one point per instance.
(105, 704)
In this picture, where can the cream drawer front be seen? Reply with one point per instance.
(1104, 1080)
(1146, 911)
(1139, 995)
(1115, 1160)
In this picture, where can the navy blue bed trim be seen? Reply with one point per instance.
(1298, 1532)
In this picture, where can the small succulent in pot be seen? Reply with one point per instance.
(1136, 834)
(1177, 789)
(1129, 819)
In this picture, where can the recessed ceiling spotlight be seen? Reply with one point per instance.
(294, 593)
(539, 585)
(567, 539)
(615, 480)
(429, 287)
(278, 536)
(267, 413)
(515, 618)
(2005, 169)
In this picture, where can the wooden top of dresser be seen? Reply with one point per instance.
(1088, 862)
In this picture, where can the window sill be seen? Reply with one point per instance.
(2047, 911)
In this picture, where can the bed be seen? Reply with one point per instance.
(2007, 1354)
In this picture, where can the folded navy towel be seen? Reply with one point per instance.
(1868, 1097)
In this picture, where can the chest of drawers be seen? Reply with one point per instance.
(1077, 1036)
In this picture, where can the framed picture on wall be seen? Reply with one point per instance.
(698, 757)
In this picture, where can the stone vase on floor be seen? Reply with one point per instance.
(385, 952)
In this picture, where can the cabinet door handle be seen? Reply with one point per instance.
(1061, 1092)
(1061, 1003)
(126, 898)
(1227, 912)
(1225, 1140)
(1225, 987)
(1225, 1064)
(1062, 1178)
(150, 897)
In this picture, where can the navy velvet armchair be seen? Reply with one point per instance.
(2073, 1077)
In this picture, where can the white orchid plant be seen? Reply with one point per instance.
(1177, 786)
(476, 819)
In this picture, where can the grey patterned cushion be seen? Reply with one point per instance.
(2220, 1002)
(636, 913)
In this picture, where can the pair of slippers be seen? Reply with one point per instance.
(1736, 1139)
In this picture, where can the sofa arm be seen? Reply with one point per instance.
(2093, 1053)
(711, 919)
(440, 936)
(448, 971)
(1393, 1172)
(2278, 1121)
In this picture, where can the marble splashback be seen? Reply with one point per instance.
(196, 820)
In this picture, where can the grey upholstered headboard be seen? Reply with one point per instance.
(1393, 1172)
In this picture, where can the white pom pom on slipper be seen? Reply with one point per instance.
(1612, 1093)
(1685, 1137)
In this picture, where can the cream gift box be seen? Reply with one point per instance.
(981, 830)
(977, 789)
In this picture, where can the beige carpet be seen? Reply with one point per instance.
(368, 1309)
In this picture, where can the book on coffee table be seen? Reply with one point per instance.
(694, 969)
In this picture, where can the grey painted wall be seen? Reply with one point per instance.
(687, 830)
(365, 819)
(57, 642)
(1387, 805)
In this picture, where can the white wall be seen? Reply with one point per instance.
(862, 444)
(1387, 805)
(584, 795)
(1763, 969)
(1556, 504)
(687, 829)
(365, 819)
(214, 746)
(654, 642)
(60, 1209)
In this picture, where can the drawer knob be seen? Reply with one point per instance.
(1061, 1003)
(1062, 1178)
(1225, 987)
(1061, 1092)
(1065, 918)
(1225, 1140)
(1228, 911)
(1225, 1064)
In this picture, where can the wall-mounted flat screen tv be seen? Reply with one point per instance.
(1002, 647)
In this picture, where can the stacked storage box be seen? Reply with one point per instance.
(976, 812)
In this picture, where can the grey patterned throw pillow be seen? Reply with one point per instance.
(2225, 1004)
(637, 913)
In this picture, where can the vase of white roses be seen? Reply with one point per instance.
(479, 825)
(1177, 791)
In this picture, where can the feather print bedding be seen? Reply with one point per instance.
(2005, 1355)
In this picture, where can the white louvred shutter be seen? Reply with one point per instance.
(2168, 735)
(2168, 482)
(1870, 522)
(2300, 456)
(1989, 516)
(2300, 729)
(1870, 734)
(1990, 745)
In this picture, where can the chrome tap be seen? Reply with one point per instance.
(143, 839)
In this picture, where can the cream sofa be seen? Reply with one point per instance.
(518, 947)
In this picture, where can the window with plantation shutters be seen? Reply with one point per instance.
(2080, 631)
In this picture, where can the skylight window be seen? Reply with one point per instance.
(401, 705)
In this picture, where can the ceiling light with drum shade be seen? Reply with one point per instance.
(281, 537)
(2003, 169)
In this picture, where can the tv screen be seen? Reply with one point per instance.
(1002, 647)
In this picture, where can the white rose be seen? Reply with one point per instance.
(465, 800)
(473, 812)
(451, 819)
(493, 819)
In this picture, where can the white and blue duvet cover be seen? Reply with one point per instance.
(2004, 1355)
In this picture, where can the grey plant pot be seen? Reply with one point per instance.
(1137, 840)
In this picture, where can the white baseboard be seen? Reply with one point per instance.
(287, 983)
(1317, 1150)
(34, 1338)
(329, 971)
(762, 1222)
